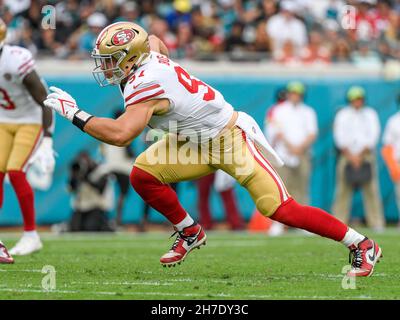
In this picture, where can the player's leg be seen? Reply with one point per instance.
(26, 140)
(6, 143)
(204, 186)
(153, 171)
(272, 199)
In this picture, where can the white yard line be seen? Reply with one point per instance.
(170, 294)
(24, 270)
(123, 283)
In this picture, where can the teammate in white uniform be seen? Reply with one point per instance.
(205, 134)
(25, 131)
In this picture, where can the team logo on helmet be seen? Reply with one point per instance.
(122, 37)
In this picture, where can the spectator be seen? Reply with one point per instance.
(92, 201)
(180, 14)
(269, 9)
(315, 52)
(223, 184)
(96, 22)
(292, 129)
(366, 58)
(341, 51)
(128, 12)
(261, 40)
(235, 41)
(284, 28)
(366, 28)
(287, 54)
(159, 27)
(391, 151)
(356, 134)
(185, 47)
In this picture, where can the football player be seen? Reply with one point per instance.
(5, 257)
(25, 128)
(159, 93)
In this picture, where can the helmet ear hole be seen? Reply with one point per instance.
(133, 58)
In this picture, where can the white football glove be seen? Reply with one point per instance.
(43, 158)
(42, 164)
(61, 102)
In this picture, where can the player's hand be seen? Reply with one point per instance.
(61, 102)
(44, 156)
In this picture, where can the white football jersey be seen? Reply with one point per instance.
(391, 135)
(196, 109)
(16, 103)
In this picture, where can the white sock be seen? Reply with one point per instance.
(187, 222)
(31, 234)
(352, 237)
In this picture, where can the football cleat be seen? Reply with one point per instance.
(363, 258)
(26, 245)
(188, 239)
(4, 255)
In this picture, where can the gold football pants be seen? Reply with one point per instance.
(17, 143)
(172, 160)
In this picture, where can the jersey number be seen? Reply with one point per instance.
(5, 100)
(192, 85)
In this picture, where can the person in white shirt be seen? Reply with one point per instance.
(356, 135)
(292, 129)
(284, 27)
(391, 151)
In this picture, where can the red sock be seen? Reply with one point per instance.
(24, 194)
(311, 219)
(158, 195)
(2, 175)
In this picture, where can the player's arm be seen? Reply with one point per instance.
(119, 132)
(157, 45)
(38, 92)
(123, 130)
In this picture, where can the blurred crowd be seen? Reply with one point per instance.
(285, 31)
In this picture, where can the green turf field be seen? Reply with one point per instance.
(230, 266)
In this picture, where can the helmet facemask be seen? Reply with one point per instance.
(107, 70)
